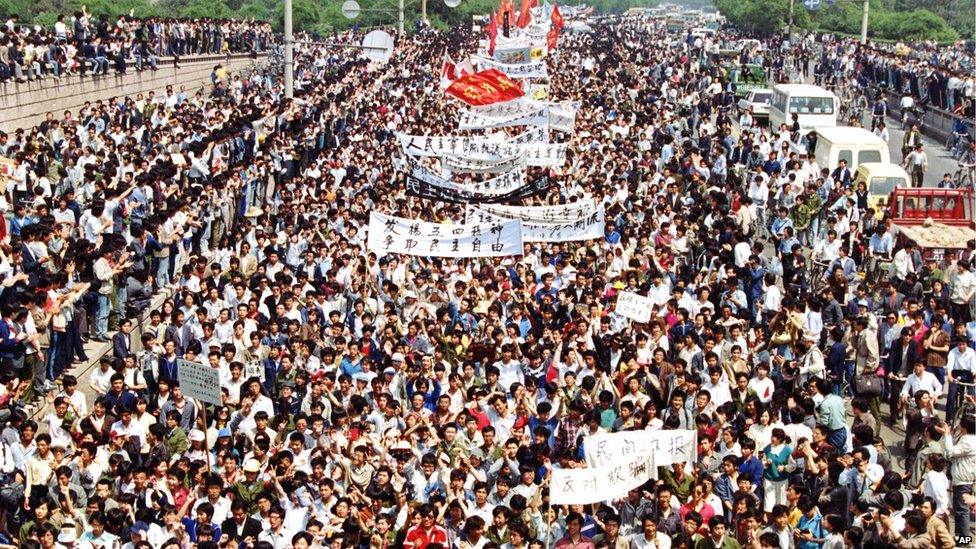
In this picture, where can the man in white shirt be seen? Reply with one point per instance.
(650, 538)
(921, 380)
(960, 367)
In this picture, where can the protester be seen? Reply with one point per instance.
(399, 400)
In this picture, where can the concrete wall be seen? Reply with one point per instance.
(23, 105)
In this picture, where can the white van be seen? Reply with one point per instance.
(855, 145)
(702, 32)
(814, 106)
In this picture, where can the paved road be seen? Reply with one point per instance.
(940, 161)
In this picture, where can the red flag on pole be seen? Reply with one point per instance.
(492, 34)
(557, 18)
(525, 15)
(485, 88)
(552, 38)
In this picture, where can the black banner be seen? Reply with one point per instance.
(423, 189)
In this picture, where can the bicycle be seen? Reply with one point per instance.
(954, 140)
(964, 175)
(965, 401)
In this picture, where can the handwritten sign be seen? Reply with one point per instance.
(388, 234)
(668, 446)
(586, 228)
(634, 306)
(596, 484)
(199, 381)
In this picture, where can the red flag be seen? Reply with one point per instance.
(525, 16)
(557, 18)
(552, 38)
(485, 88)
(492, 34)
(449, 72)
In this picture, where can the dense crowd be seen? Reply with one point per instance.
(84, 44)
(404, 401)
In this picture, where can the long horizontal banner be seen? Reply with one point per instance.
(668, 446)
(591, 227)
(468, 120)
(423, 189)
(388, 234)
(501, 184)
(596, 484)
(534, 142)
(484, 164)
(439, 145)
(522, 70)
(557, 213)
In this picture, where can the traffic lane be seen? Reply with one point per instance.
(940, 160)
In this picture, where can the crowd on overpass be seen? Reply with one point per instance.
(89, 45)
(402, 401)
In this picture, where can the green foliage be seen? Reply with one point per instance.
(888, 19)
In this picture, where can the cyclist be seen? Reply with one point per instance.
(961, 365)
(960, 136)
(879, 112)
(967, 165)
(879, 249)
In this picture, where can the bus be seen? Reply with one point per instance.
(813, 105)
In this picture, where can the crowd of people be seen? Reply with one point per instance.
(403, 401)
(86, 45)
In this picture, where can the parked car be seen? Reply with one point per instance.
(758, 100)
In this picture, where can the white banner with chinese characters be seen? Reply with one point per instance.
(388, 234)
(500, 184)
(535, 69)
(518, 112)
(605, 483)
(634, 306)
(557, 213)
(590, 227)
(439, 145)
(667, 445)
(484, 163)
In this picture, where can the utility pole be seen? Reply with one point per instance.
(290, 53)
(400, 16)
(864, 23)
(789, 28)
(423, 11)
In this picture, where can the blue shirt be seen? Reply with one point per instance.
(752, 468)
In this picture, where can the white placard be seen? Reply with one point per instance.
(668, 446)
(388, 234)
(634, 306)
(591, 227)
(562, 116)
(557, 213)
(199, 381)
(596, 484)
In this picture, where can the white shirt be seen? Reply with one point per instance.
(965, 361)
(927, 382)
